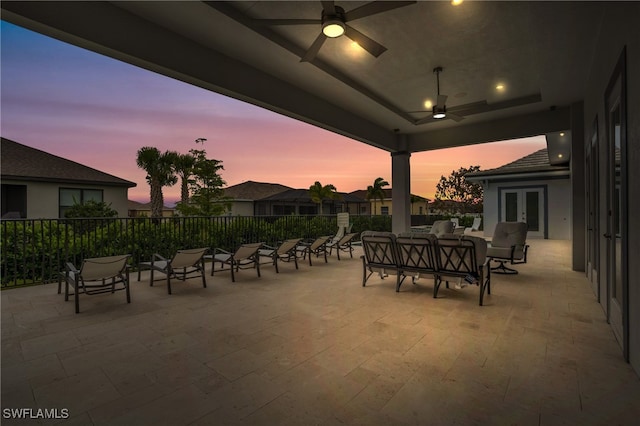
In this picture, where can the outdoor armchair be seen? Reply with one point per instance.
(183, 265)
(97, 275)
(380, 255)
(463, 257)
(317, 247)
(285, 252)
(343, 244)
(416, 255)
(441, 227)
(508, 244)
(244, 258)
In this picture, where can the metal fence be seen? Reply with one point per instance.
(34, 251)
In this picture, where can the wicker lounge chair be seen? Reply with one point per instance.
(380, 255)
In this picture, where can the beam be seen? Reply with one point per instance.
(521, 126)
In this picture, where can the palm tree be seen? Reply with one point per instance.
(375, 192)
(183, 167)
(159, 173)
(321, 192)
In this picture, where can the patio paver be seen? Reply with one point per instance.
(312, 346)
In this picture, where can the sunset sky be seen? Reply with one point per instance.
(99, 111)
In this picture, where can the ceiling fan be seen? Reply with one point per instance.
(439, 110)
(334, 23)
(458, 112)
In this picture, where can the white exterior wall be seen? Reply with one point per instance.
(558, 205)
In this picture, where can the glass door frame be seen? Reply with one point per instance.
(544, 232)
(615, 98)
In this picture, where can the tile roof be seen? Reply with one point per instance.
(302, 195)
(251, 190)
(362, 193)
(25, 163)
(533, 163)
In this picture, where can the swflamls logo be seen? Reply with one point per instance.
(35, 413)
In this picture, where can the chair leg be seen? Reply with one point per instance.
(502, 268)
(169, 282)
(76, 297)
(126, 286)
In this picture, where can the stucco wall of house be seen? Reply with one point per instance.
(43, 198)
(558, 205)
(241, 208)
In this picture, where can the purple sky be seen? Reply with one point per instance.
(99, 111)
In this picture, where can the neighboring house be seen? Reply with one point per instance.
(419, 205)
(137, 209)
(531, 190)
(246, 193)
(36, 184)
(298, 201)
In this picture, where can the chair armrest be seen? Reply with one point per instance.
(71, 268)
(219, 250)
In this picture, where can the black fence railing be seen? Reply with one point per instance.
(34, 251)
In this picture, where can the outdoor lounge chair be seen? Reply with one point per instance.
(380, 255)
(463, 257)
(317, 247)
(244, 258)
(508, 244)
(441, 227)
(343, 244)
(183, 265)
(475, 226)
(97, 275)
(285, 252)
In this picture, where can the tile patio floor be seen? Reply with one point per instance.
(314, 347)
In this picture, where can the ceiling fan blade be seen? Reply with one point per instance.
(329, 7)
(315, 47)
(454, 117)
(371, 46)
(467, 109)
(287, 21)
(375, 7)
(427, 119)
(442, 101)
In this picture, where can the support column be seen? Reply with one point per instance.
(401, 198)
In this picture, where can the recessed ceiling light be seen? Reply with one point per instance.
(561, 133)
(500, 87)
(559, 155)
(456, 2)
(428, 104)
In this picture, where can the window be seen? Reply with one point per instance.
(70, 196)
(384, 210)
(14, 201)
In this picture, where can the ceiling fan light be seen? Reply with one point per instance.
(439, 113)
(333, 28)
